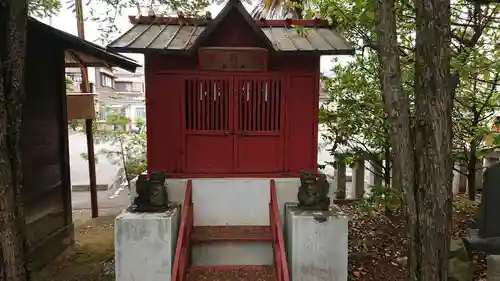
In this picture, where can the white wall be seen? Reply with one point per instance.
(233, 201)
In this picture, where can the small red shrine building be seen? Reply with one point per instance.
(231, 96)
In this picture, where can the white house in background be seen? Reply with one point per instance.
(117, 90)
(129, 89)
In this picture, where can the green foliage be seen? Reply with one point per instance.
(106, 12)
(140, 121)
(116, 119)
(75, 124)
(122, 148)
(85, 156)
(389, 199)
(43, 8)
(69, 84)
(476, 103)
(128, 150)
(356, 119)
(464, 205)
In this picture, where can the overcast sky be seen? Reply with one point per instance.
(66, 21)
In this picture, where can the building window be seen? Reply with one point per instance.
(137, 87)
(106, 81)
(75, 77)
(140, 112)
(123, 86)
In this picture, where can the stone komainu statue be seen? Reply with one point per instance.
(152, 194)
(313, 191)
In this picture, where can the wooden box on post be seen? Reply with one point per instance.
(80, 106)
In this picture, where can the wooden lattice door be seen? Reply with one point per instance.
(233, 124)
(209, 144)
(258, 124)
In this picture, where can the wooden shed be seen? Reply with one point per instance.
(44, 134)
(231, 96)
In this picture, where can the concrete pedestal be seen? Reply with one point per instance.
(316, 250)
(145, 245)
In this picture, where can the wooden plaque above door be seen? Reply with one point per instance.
(232, 59)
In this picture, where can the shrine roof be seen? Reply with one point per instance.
(78, 51)
(171, 34)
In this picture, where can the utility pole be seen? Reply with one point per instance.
(88, 122)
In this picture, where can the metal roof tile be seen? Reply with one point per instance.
(181, 37)
(185, 37)
(164, 37)
(124, 40)
(310, 39)
(156, 36)
(333, 38)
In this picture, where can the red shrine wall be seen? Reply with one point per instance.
(187, 144)
(167, 145)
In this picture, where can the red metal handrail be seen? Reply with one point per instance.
(280, 262)
(182, 250)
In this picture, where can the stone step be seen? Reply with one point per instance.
(231, 245)
(232, 253)
(231, 273)
(231, 233)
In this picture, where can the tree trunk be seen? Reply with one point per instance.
(422, 169)
(397, 107)
(13, 16)
(433, 146)
(471, 174)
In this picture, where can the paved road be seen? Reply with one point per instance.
(115, 199)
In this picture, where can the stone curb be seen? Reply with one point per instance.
(100, 187)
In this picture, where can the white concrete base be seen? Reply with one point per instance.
(231, 253)
(316, 250)
(145, 245)
(231, 201)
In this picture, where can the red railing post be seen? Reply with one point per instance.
(183, 246)
(280, 261)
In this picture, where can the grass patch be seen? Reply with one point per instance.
(87, 258)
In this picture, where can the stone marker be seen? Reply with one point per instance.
(340, 180)
(358, 179)
(488, 221)
(145, 245)
(485, 233)
(316, 248)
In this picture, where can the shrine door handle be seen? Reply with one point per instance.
(238, 133)
(226, 133)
